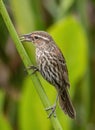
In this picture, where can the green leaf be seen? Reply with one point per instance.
(64, 7)
(4, 125)
(23, 15)
(71, 39)
(66, 4)
(31, 112)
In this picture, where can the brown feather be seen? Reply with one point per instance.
(66, 104)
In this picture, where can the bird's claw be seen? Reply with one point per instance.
(34, 68)
(52, 108)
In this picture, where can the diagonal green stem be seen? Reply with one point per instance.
(27, 62)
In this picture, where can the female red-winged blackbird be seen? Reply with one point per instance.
(51, 64)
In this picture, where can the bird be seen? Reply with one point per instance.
(52, 66)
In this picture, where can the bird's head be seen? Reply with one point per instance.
(38, 38)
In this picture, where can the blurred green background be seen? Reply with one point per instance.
(72, 24)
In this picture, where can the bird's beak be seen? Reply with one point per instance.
(26, 38)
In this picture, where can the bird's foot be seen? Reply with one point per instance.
(52, 108)
(34, 68)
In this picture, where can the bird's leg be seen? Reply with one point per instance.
(34, 68)
(53, 108)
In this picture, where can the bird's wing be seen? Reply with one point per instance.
(63, 68)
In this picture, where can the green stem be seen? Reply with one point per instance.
(27, 62)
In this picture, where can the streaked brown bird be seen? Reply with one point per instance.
(52, 66)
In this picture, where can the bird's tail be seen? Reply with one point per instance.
(66, 104)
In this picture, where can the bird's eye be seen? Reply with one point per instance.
(36, 37)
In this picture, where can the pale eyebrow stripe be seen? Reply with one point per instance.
(45, 38)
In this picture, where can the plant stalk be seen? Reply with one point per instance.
(27, 62)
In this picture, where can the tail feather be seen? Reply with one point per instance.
(66, 104)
